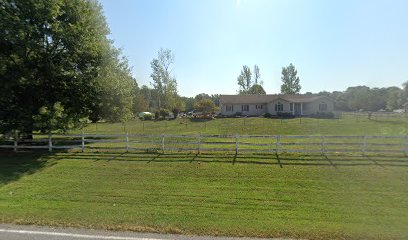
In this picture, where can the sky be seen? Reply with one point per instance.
(333, 44)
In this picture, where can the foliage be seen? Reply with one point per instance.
(216, 99)
(405, 93)
(257, 75)
(58, 51)
(256, 89)
(267, 115)
(140, 103)
(188, 103)
(163, 82)
(117, 89)
(368, 99)
(245, 83)
(285, 115)
(164, 113)
(205, 106)
(244, 79)
(201, 96)
(290, 80)
(53, 118)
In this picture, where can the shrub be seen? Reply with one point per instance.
(267, 115)
(164, 113)
(156, 115)
(175, 112)
(285, 115)
(238, 114)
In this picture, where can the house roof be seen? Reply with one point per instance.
(253, 99)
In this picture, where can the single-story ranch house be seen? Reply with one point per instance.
(255, 105)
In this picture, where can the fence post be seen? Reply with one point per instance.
(406, 145)
(322, 143)
(15, 142)
(49, 142)
(198, 143)
(277, 143)
(162, 142)
(82, 141)
(236, 143)
(364, 145)
(127, 141)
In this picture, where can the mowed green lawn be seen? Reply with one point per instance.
(250, 195)
(256, 125)
(300, 196)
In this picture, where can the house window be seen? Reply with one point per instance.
(279, 107)
(291, 107)
(229, 108)
(245, 108)
(323, 107)
(259, 106)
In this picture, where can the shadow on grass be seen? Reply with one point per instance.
(15, 165)
(280, 160)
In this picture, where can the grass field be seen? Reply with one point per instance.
(298, 126)
(301, 196)
(308, 197)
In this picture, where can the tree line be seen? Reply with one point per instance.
(369, 99)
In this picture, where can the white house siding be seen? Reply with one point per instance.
(238, 108)
(256, 112)
(227, 113)
(271, 106)
(313, 107)
(310, 105)
(308, 108)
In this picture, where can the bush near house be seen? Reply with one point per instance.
(162, 114)
(285, 115)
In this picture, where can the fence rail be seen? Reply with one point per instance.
(226, 143)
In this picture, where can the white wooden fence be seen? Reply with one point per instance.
(208, 143)
(387, 115)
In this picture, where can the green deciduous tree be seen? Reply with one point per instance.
(290, 80)
(205, 106)
(163, 82)
(116, 89)
(55, 51)
(54, 118)
(405, 94)
(246, 84)
(189, 103)
(244, 79)
(257, 76)
(201, 96)
(256, 89)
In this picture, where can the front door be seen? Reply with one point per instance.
(297, 109)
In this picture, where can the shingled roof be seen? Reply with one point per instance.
(254, 99)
